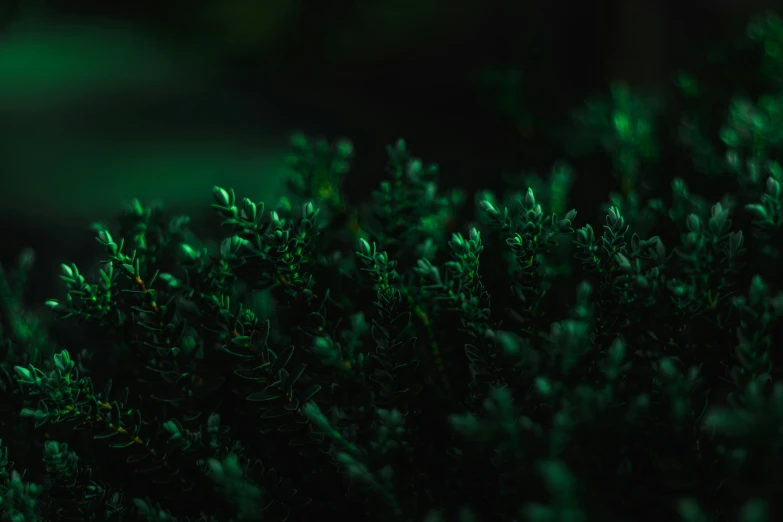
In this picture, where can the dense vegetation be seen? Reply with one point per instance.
(425, 354)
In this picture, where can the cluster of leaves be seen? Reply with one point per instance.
(349, 392)
(405, 361)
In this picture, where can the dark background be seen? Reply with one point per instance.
(104, 101)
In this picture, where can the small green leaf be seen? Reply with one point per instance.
(309, 393)
(282, 359)
(120, 445)
(263, 396)
(757, 211)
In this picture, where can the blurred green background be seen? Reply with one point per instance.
(101, 102)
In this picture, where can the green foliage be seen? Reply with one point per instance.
(400, 361)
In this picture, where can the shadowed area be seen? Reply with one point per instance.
(96, 113)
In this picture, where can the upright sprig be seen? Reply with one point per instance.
(603, 255)
(280, 249)
(711, 256)
(407, 206)
(467, 293)
(456, 290)
(529, 237)
(468, 298)
(395, 349)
